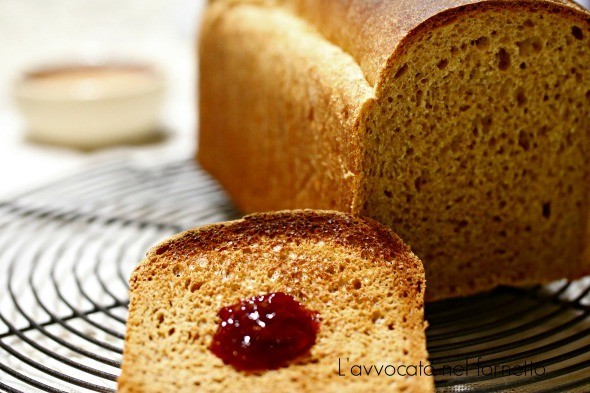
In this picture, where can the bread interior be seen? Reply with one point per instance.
(478, 149)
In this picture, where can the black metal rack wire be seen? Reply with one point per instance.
(67, 249)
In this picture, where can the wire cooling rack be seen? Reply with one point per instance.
(67, 249)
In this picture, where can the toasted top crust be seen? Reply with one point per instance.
(292, 226)
(375, 32)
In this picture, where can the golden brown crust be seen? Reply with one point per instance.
(345, 230)
(362, 279)
(305, 113)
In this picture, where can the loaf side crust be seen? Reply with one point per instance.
(270, 83)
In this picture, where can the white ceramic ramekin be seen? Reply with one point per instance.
(90, 106)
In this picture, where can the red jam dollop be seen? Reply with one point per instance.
(264, 332)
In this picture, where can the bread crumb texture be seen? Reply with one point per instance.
(365, 283)
(478, 150)
(468, 134)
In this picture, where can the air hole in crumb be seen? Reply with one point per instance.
(530, 46)
(405, 352)
(442, 64)
(520, 96)
(419, 95)
(390, 99)
(171, 331)
(376, 316)
(356, 283)
(460, 226)
(419, 182)
(588, 95)
(388, 193)
(482, 42)
(523, 140)
(391, 326)
(503, 59)
(401, 71)
(528, 23)
(577, 33)
(486, 122)
(523, 66)
(176, 270)
(547, 209)
(162, 249)
(492, 142)
(196, 286)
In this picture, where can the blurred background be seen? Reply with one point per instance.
(39, 33)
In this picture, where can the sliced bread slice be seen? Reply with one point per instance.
(364, 282)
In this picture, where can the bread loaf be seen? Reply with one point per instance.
(358, 275)
(461, 124)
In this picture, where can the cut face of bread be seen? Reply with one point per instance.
(478, 146)
(469, 134)
(359, 276)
